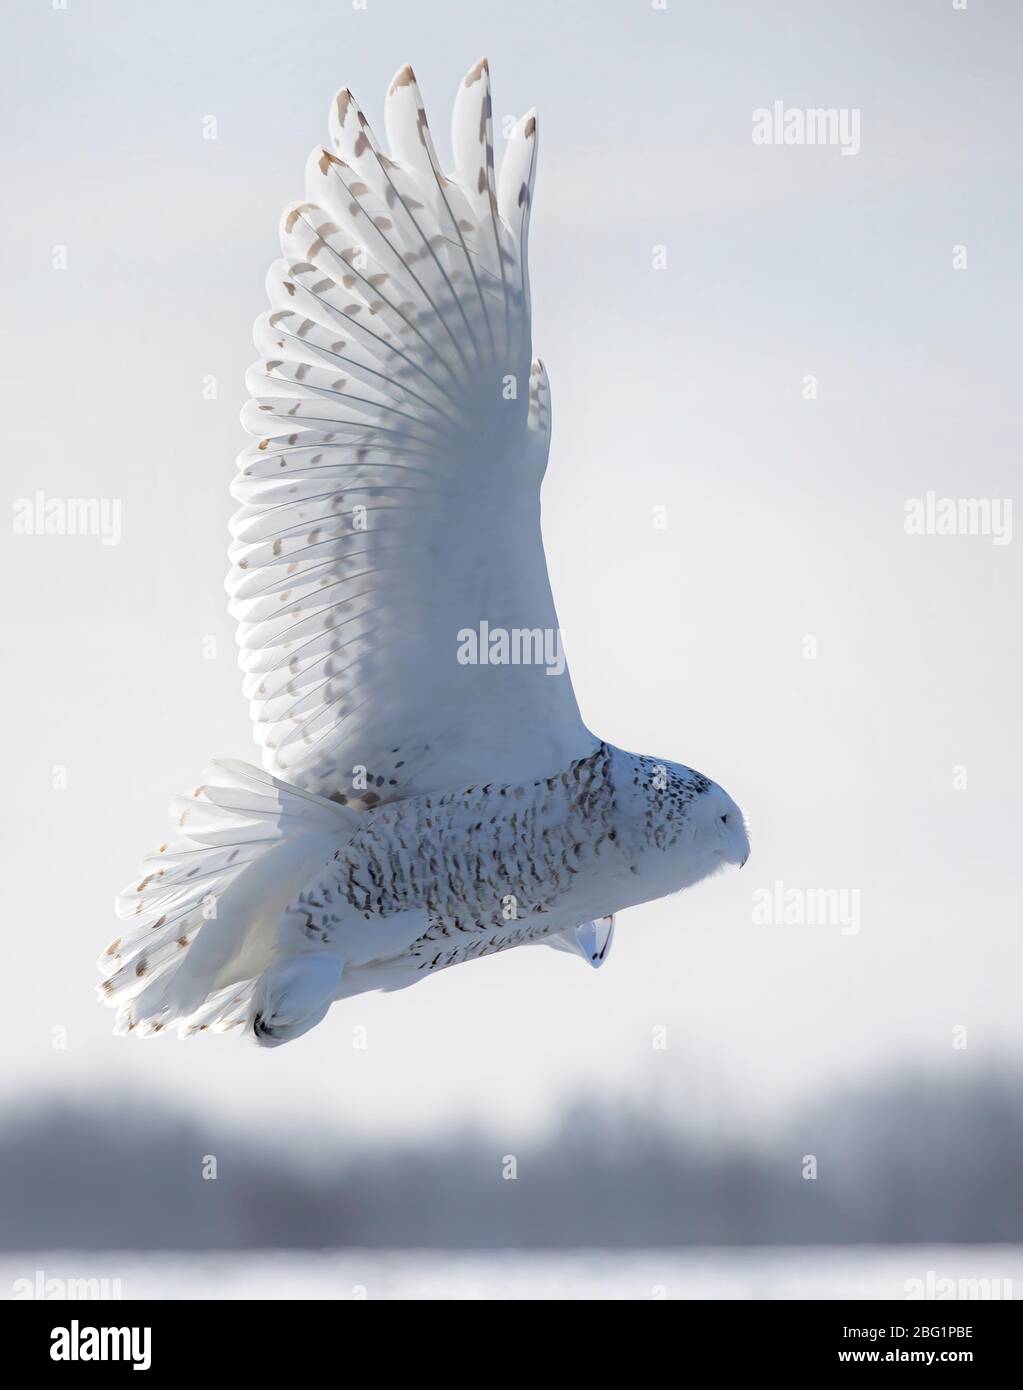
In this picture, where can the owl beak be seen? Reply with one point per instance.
(743, 864)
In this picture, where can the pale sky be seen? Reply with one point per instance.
(679, 388)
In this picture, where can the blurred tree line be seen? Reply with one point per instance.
(917, 1160)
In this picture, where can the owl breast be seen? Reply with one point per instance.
(489, 867)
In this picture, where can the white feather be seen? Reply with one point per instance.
(205, 911)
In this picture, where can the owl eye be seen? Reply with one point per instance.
(723, 819)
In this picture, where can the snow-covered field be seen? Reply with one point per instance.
(830, 1272)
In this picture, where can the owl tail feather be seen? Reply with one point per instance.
(205, 910)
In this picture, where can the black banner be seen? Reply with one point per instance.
(196, 1340)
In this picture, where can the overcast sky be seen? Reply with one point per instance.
(680, 388)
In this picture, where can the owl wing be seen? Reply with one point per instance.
(395, 618)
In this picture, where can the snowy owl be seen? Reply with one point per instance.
(429, 793)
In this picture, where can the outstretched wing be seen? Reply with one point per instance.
(396, 624)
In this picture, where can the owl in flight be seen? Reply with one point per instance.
(428, 792)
